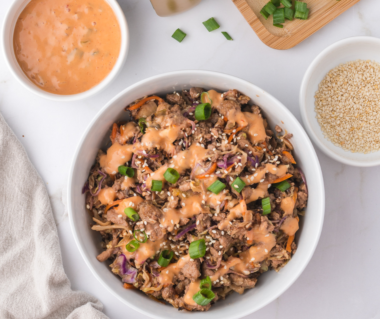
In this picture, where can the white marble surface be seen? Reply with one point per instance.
(341, 280)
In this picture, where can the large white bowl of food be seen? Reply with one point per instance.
(199, 190)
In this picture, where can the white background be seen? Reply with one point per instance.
(342, 279)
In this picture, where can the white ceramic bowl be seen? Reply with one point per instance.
(271, 284)
(10, 58)
(351, 49)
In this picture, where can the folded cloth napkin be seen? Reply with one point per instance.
(33, 283)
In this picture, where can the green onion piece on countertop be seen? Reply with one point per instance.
(276, 2)
(279, 16)
(202, 112)
(264, 13)
(132, 246)
(289, 14)
(206, 283)
(270, 8)
(141, 232)
(203, 297)
(287, 3)
(211, 24)
(238, 184)
(179, 35)
(227, 36)
(171, 175)
(278, 25)
(156, 186)
(197, 249)
(302, 15)
(301, 6)
(165, 258)
(265, 203)
(126, 171)
(282, 186)
(216, 187)
(132, 214)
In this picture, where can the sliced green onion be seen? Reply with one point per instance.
(289, 13)
(217, 187)
(165, 258)
(278, 25)
(270, 8)
(126, 171)
(228, 37)
(238, 184)
(203, 297)
(301, 6)
(142, 124)
(156, 186)
(179, 35)
(206, 283)
(132, 246)
(283, 186)
(132, 214)
(265, 203)
(302, 15)
(211, 24)
(276, 2)
(279, 16)
(287, 3)
(142, 232)
(264, 13)
(197, 249)
(208, 96)
(203, 112)
(171, 175)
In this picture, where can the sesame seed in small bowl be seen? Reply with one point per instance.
(340, 101)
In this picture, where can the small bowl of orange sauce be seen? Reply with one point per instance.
(65, 50)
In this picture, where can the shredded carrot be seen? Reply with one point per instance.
(259, 148)
(225, 118)
(295, 194)
(283, 178)
(128, 286)
(249, 242)
(289, 156)
(117, 202)
(147, 168)
(114, 132)
(233, 133)
(230, 167)
(211, 170)
(289, 244)
(142, 102)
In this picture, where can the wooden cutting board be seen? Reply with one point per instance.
(321, 13)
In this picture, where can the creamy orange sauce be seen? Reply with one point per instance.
(287, 205)
(145, 250)
(194, 287)
(260, 191)
(127, 131)
(168, 273)
(256, 129)
(128, 202)
(225, 267)
(170, 217)
(161, 139)
(191, 206)
(216, 97)
(290, 226)
(128, 183)
(107, 195)
(67, 46)
(260, 173)
(236, 212)
(116, 156)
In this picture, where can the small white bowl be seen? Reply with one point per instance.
(351, 49)
(10, 58)
(271, 284)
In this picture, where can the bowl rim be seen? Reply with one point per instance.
(302, 101)
(318, 176)
(31, 87)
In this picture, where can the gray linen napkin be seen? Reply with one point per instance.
(33, 283)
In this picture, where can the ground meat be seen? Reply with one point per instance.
(175, 98)
(301, 200)
(203, 222)
(149, 212)
(195, 93)
(110, 251)
(191, 270)
(228, 105)
(116, 218)
(148, 109)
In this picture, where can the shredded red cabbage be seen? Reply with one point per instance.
(99, 184)
(85, 187)
(236, 273)
(133, 165)
(185, 230)
(126, 271)
(209, 266)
